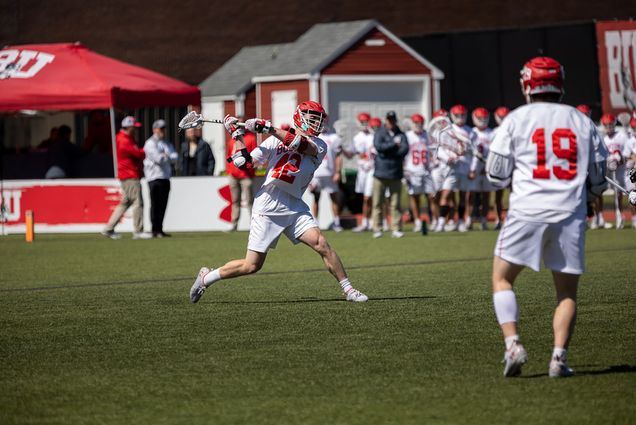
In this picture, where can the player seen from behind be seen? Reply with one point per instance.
(556, 160)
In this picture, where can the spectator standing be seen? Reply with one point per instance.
(197, 158)
(62, 154)
(160, 155)
(241, 180)
(129, 171)
(391, 146)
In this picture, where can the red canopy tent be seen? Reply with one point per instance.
(70, 77)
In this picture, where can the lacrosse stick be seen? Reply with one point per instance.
(194, 120)
(441, 131)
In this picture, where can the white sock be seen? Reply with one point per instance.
(336, 221)
(559, 353)
(345, 285)
(441, 221)
(417, 222)
(510, 340)
(365, 222)
(211, 277)
(506, 307)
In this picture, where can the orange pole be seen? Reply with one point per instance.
(29, 220)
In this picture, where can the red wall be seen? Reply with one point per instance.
(250, 103)
(301, 87)
(387, 59)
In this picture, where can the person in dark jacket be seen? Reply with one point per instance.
(196, 157)
(391, 146)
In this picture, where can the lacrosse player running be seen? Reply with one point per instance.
(292, 157)
(553, 153)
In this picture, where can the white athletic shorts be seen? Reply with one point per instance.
(364, 182)
(265, 230)
(561, 245)
(417, 185)
(323, 184)
(445, 178)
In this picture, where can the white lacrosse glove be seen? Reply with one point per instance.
(231, 126)
(259, 125)
(629, 164)
(632, 197)
(613, 161)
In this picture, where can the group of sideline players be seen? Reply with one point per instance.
(448, 184)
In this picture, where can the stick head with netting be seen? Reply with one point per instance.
(191, 120)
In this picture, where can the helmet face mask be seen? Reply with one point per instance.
(480, 118)
(375, 123)
(542, 75)
(501, 113)
(363, 120)
(418, 123)
(310, 117)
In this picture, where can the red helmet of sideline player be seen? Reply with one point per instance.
(375, 123)
(440, 113)
(480, 118)
(609, 122)
(541, 75)
(418, 122)
(501, 113)
(363, 120)
(458, 115)
(310, 117)
(584, 109)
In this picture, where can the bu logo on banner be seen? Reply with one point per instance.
(22, 63)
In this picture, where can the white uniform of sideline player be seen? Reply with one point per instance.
(363, 148)
(500, 113)
(481, 185)
(458, 114)
(327, 177)
(292, 157)
(552, 152)
(417, 171)
(620, 152)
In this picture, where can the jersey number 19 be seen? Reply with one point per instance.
(569, 154)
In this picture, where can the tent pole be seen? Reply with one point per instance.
(113, 140)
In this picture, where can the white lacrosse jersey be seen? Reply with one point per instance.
(288, 175)
(334, 146)
(618, 143)
(363, 148)
(416, 162)
(482, 140)
(552, 146)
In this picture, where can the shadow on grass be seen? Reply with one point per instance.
(623, 368)
(321, 300)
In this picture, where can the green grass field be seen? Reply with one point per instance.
(96, 331)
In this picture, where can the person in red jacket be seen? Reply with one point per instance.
(240, 180)
(130, 159)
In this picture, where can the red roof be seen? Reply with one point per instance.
(69, 76)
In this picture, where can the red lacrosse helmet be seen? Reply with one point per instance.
(501, 113)
(584, 109)
(609, 122)
(363, 117)
(375, 123)
(458, 114)
(440, 113)
(542, 75)
(310, 117)
(481, 116)
(417, 118)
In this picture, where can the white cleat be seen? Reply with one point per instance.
(418, 227)
(377, 234)
(111, 234)
(559, 368)
(514, 358)
(461, 227)
(198, 287)
(451, 226)
(141, 235)
(356, 296)
(397, 234)
(360, 228)
(336, 227)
